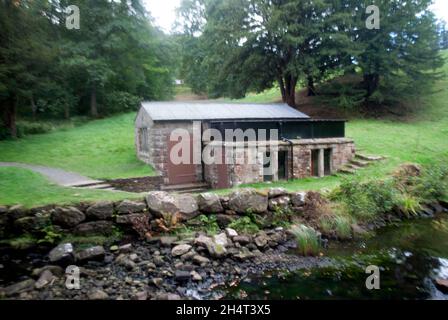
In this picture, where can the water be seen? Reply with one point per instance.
(410, 255)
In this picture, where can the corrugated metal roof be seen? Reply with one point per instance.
(164, 111)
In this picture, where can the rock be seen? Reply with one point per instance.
(245, 200)
(55, 270)
(277, 192)
(261, 241)
(97, 294)
(180, 250)
(32, 224)
(427, 212)
(442, 285)
(140, 296)
(243, 240)
(200, 260)
(221, 239)
(188, 206)
(202, 240)
(126, 248)
(298, 199)
(130, 207)
(182, 276)
(93, 253)
(45, 279)
(279, 203)
(162, 202)
(224, 220)
(23, 286)
(173, 297)
(210, 203)
(124, 261)
(437, 207)
(67, 217)
(158, 282)
(167, 241)
(101, 211)
(216, 250)
(358, 231)
(243, 254)
(128, 218)
(196, 276)
(17, 212)
(62, 254)
(104, 228)
(3, 210)
(231, 232)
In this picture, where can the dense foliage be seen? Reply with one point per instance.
(237, 46)
(115, 59)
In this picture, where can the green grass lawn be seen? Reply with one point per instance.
(21, 186)
(100, 149)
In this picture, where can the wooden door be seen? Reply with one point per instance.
(184, 173)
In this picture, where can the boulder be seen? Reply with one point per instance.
(17, 212)
(442, 285)
(261, 240)
(277, 192)
(279, 203)
(180, 250)
(210, 203)
(200, 260)
(167, 241)
(45, 279)
(128, 218)
(128, 207)
(97, 294)
(242, 240)
(216, 250)
(67, 217)
(245, 200)
(32, 223)
(231, 232)
(221, 239)
(92, 253)
(298, 199)
(96, 228)
(100, 211)
(62, 254)
(161, 203)
(55, 270)
(16, 288)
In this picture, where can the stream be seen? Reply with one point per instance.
(411, 256)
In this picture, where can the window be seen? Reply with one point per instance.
(143, 140)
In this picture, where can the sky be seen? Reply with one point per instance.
(164, 11)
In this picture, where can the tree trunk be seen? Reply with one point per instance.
(371, 83)
(33, 107)
(67, 111)
(93, 103)
(281, 84)
(290, 90)
(311, 87)
(9, 117)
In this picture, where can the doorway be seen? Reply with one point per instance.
(315, 163)
(267, 167)
(283, 165)
(327, 162)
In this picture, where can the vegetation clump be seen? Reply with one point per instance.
(308, 240)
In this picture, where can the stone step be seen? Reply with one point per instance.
(369, 158)
(97, 186)
(185, 188)
(198, 190)
(84, 184)
(353, 166)
(347, 171)
(359, 163)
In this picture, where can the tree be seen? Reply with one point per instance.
(250, 45)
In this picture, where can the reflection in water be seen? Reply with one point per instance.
(411, 256)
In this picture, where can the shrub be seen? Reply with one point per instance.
(282, 218)
(432, 184)
(366, 200)
(409, 205)
(308, 240)
(209, 224)
(337, 225)
(244, 225)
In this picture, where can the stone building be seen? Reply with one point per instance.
(225, 145)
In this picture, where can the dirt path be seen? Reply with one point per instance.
(58, 176)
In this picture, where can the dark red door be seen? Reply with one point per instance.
(223, 173)
(183, 173)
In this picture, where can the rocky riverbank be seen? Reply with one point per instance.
(166, 268)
